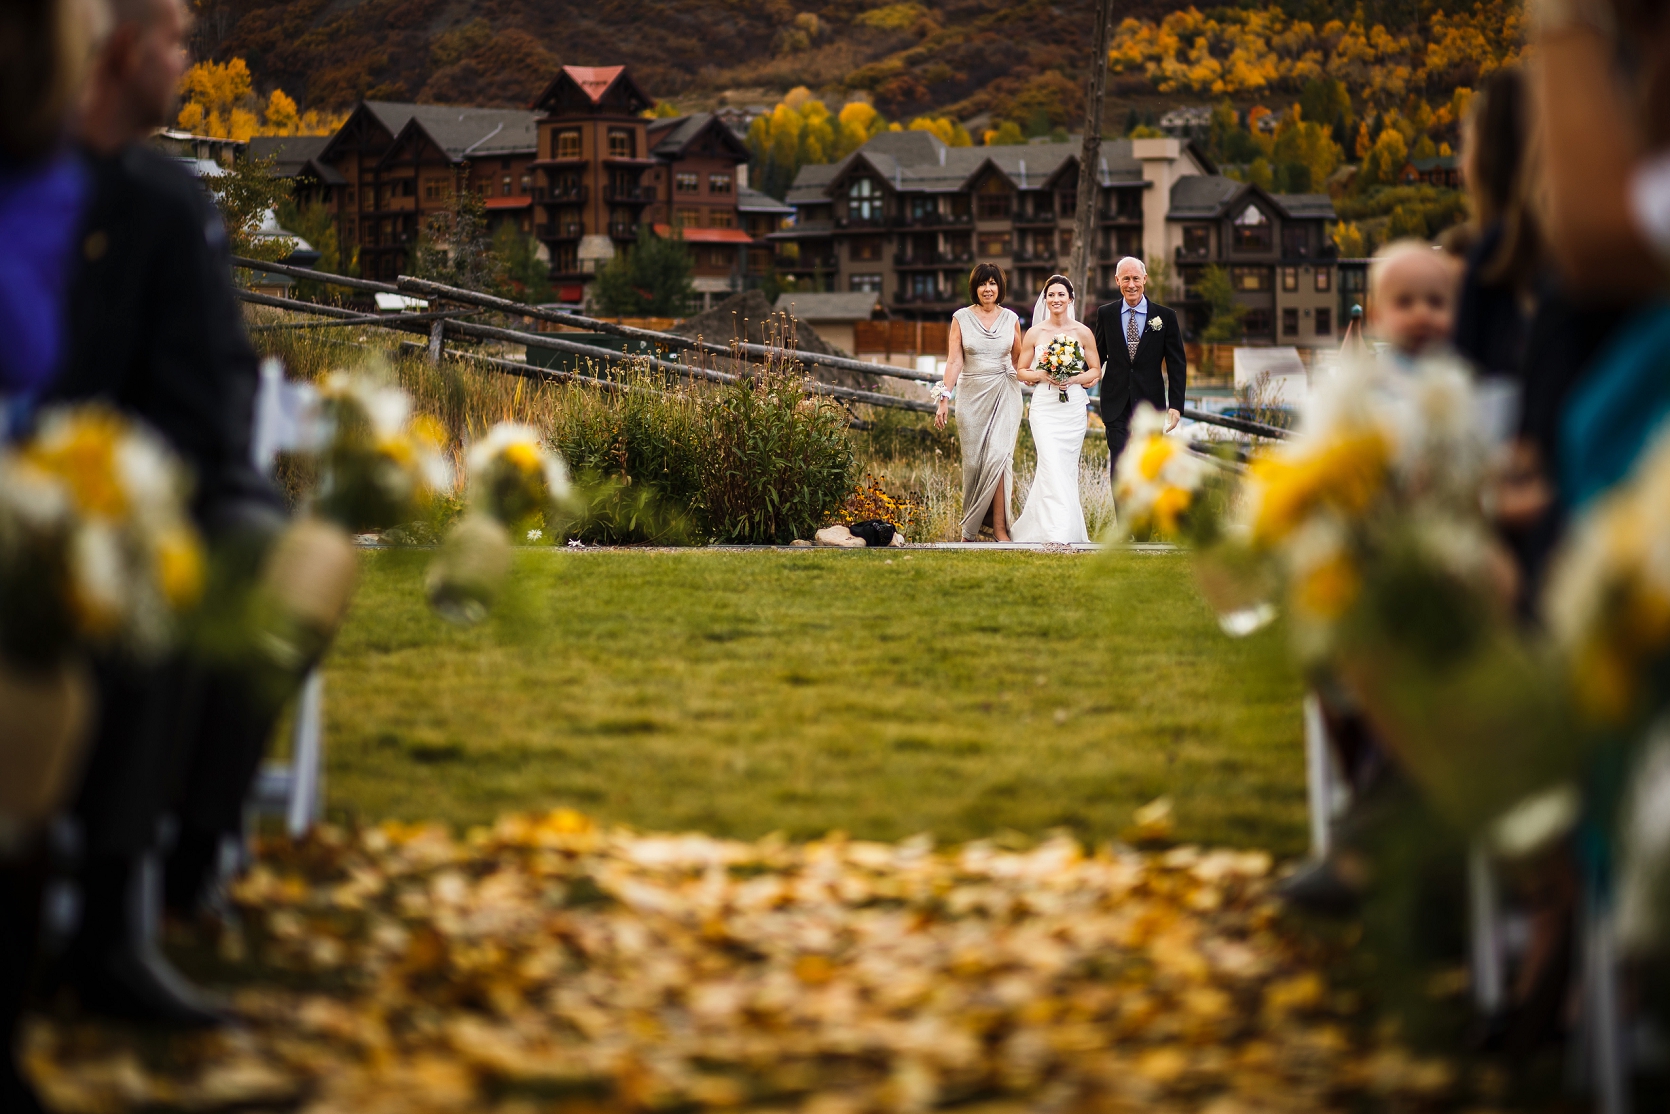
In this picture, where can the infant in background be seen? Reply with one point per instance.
(1411, 300)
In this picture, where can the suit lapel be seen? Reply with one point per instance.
(1148, 330)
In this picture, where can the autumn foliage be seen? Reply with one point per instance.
(219, 100)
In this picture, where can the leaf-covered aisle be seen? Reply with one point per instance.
(549, 964)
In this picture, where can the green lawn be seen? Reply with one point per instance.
(954, 692)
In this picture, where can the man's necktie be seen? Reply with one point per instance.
(1131, 335)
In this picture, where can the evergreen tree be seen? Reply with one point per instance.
(528, 275)
(1219, 293)
(454, 248)
(652, 278)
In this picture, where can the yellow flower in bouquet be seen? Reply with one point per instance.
(382, 465)
(96, 548)
(513, 475)
(1157, 480)
(1608, 599)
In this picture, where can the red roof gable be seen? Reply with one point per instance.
(594, 80)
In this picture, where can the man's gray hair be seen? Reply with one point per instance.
(1142, 269)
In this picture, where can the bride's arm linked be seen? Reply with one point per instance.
(1026, 367)
(1092, 360)
(953, 372)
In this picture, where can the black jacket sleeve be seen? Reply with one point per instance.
(156, 325)
(1177, 362)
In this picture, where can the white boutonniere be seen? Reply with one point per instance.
(1155, 323)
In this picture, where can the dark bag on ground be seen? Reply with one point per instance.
(874, 532)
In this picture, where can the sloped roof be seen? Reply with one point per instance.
(920, 161)
(1307, 204)
(753, 201)
(1201, 195)
(1436, 162)
(1211, 196)
(594, 81)
(476, 132)
(815, 307)
(289, 153)
(671, 138)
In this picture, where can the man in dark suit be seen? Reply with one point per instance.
(1134, 337)
(155, 330)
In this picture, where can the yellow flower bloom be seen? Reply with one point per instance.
(179, 564)
(1154, 457)
(84, 457)
(524, 456)
(1329, 589)
(1169, 507)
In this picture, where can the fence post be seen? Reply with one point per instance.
(437, 330)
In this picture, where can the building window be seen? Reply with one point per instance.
(1256, 322)
(1250, 278)
(1324, 280)
(994, 243)
(864, 200)
(1290, 279)
(568, 145)
(527, 183)
(688, 218)
(1352, 280)
(721, 218)
(864, 284)
(995, 200)
(1295, 241)
(1068, 202)
(432, 189)
(1324, 322)
(504, 186)
(923, 287)
(687, 183)
(1290, 322)
(720, 257)
(1066, 241)
(759, 260)
(864, 248)
(620, 144)
(718, 183)
(1252, 230)
(1197, 241)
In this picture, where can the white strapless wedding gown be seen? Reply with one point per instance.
(1053, 512)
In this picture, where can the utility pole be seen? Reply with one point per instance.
(1084, 221)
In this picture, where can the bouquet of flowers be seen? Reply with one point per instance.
(513, 477)
(1063, 359)
(382, 466)
(96, 553)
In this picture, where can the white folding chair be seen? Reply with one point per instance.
(286, 418)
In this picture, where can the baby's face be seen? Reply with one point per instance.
(1413, 307)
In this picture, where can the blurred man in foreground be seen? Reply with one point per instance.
(156, 331)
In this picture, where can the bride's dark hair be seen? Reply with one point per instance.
(1063, 280)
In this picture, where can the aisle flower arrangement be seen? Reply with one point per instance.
(515, 481)
(97, 557)
(96, 548)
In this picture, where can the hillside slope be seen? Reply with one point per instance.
(970, 54)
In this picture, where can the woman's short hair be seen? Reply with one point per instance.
(1063, 280)
(980, 276)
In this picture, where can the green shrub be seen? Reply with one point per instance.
(756, 461)
(779, 464)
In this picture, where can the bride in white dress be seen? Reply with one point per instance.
(1053, 512)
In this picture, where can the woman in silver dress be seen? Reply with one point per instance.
(980, 370)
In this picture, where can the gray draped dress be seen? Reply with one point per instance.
(988, 416)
